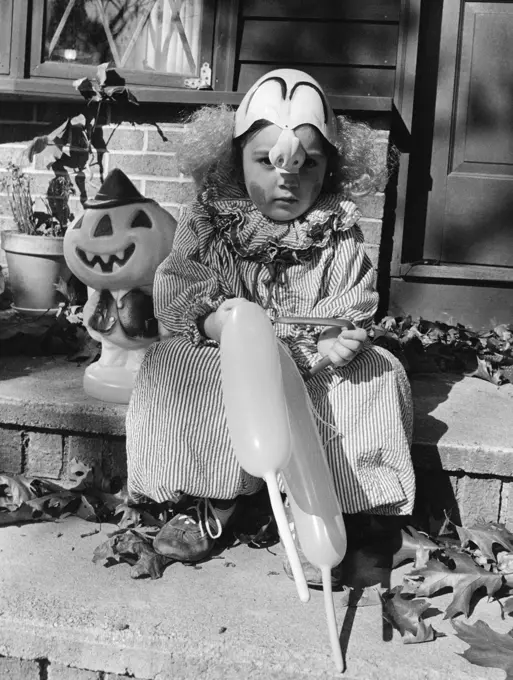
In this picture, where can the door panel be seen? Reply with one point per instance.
(470, 213)
(479, 220)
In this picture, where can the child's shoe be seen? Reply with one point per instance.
(190, 536)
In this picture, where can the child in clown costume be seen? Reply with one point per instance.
(272, 223)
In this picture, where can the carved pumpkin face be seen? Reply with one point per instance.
(121, 247)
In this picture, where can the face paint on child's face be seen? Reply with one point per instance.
(278, 195)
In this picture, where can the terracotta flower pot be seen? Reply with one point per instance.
(35, 264)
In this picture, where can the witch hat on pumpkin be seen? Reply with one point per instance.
(116, 190)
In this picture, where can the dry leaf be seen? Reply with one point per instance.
(23, 513)
(80, 474)
(487, 647)
(411, 541)
(14, 491)
(484, 535)
(405, 614)
(465, 578)
(486, 371)
(89, 509)
(136, 549)
(128, 516)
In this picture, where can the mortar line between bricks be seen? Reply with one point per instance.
(154, 178)
(23, 448)
(462, 473)
(499, 509)
(148, 127)
(43, 669)
(63, 451)
(138, 152)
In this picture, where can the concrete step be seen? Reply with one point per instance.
(236, 617)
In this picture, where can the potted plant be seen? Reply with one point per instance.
(34, 251)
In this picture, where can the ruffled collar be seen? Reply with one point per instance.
(256, 237)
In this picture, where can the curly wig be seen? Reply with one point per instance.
(211, 156)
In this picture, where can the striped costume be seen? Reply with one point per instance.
(177, 438)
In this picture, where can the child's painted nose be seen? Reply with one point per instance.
(287, 155)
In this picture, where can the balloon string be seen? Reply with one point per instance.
(320, 419)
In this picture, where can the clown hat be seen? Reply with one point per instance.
(116, 190)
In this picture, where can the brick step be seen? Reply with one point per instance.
(462, 452)
(46, 420)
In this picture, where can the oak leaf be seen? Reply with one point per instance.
(14, 491)
(486, 371)
(23, 513)
(461, 574)
(487, 647)
(484, 535)
(136, 549)
(414, 546)
(80, 475)
(405, 614)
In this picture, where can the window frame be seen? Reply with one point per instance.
(51, 69)
(6, 37)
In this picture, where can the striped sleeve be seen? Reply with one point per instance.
(186, 288)
(350, 294)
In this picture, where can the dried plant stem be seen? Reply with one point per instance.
(17, 185)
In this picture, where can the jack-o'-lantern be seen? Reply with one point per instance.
(120, 239)
(115, 248)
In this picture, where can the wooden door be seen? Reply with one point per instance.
(470, 207)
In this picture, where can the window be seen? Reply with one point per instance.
(161, 42)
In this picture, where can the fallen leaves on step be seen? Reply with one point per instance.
(459, 572)
(34, 500)
(415, 546)
(433, 346)
(487, 647)
(14, 491)
(133, 547)
(485, 535)
(405, 614)
(24, 500)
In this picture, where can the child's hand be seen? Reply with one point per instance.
(214, 322)
(342, 347)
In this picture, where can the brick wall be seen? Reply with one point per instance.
(46, 453)
(143, 149)
(467, 490)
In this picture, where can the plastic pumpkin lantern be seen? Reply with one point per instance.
(115, 248)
